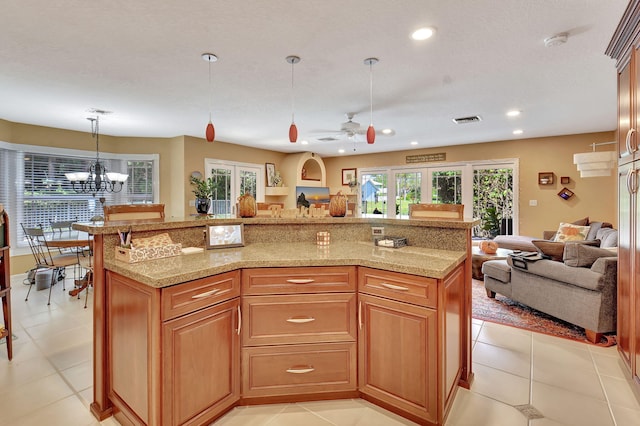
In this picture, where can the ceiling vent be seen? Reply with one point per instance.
(464, 120)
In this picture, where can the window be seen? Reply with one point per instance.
(35, 191)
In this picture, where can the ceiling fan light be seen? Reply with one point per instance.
(210, 132)
(371, 135)
(293, 133)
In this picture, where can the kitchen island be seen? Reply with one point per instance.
(183, 339)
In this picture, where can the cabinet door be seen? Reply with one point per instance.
(626, 211)
(626, 138)
(201, 372)
(398, 354)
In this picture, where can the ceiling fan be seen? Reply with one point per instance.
(348, 130)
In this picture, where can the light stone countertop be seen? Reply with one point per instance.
(178, 269)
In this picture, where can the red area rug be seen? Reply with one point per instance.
(503, 310)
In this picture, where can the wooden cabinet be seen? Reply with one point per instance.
(411, 341)
(397, 350)
(624, 49)
(173, 352)
(299, 333)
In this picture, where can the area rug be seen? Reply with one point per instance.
(503, 310)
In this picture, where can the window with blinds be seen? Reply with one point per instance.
(35, 190)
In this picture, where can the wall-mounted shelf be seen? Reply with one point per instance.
(276, 191)
(545, 178)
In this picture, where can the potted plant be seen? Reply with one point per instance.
(203, 190)
(491, 222)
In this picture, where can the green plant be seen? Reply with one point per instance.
(491, 221)
(202, 188)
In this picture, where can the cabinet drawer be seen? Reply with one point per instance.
(322, 279)
(189, 297)
(403, 287)
(299, 318)
(299, 369)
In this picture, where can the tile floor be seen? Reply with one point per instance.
(517, 373)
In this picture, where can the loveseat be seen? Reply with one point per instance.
(579, 287)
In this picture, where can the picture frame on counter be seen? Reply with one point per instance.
(224, 236)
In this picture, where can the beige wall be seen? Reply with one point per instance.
(181, 155)
(594, 197)
(196, 150)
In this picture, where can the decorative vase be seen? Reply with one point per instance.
(489, 247)
(202, 205)
(338, 205)
(246, 206)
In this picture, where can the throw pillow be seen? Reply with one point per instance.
(581, 222)
(570, 232)
(609, 237)
(581, 255)
(554, 250)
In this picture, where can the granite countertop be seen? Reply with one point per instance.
(97, 228)
(178, 269)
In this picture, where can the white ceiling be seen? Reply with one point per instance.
(141, 59)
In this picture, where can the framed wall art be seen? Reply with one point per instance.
(270, 169)
(348, 175)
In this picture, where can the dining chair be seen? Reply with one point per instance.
(436, 211)
(134, 212)
(45, 260)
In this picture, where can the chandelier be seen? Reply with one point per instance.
(97, 179)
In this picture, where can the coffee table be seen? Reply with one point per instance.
(478, 257)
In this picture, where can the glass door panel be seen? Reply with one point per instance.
(446, 187)
(493, 189)
(222, 196)
(408, 185)
(373, 193)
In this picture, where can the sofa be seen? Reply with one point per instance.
(524, 243)
(578, 287)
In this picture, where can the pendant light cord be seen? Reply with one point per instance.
(371, 92)
(292, 95)
(95, 132)
(210, 90)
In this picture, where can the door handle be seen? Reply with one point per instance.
(239, 320)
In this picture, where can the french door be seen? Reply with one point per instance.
(231, 180)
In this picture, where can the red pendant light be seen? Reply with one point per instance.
(210, 132)
(293, 129)
(371, 132)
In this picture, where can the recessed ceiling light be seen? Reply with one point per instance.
(517, 132)
(414, 142)
(304, 142)
(423, 33)
(341, 151)
(513, 113)
(387, 131)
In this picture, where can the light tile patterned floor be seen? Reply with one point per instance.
(49, 380)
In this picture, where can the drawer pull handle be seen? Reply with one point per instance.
(300, 320)
(301, 280)
(206, 294)
(300, 369)
(394, 287)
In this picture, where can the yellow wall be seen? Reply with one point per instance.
(594, 197)
(196, 150)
